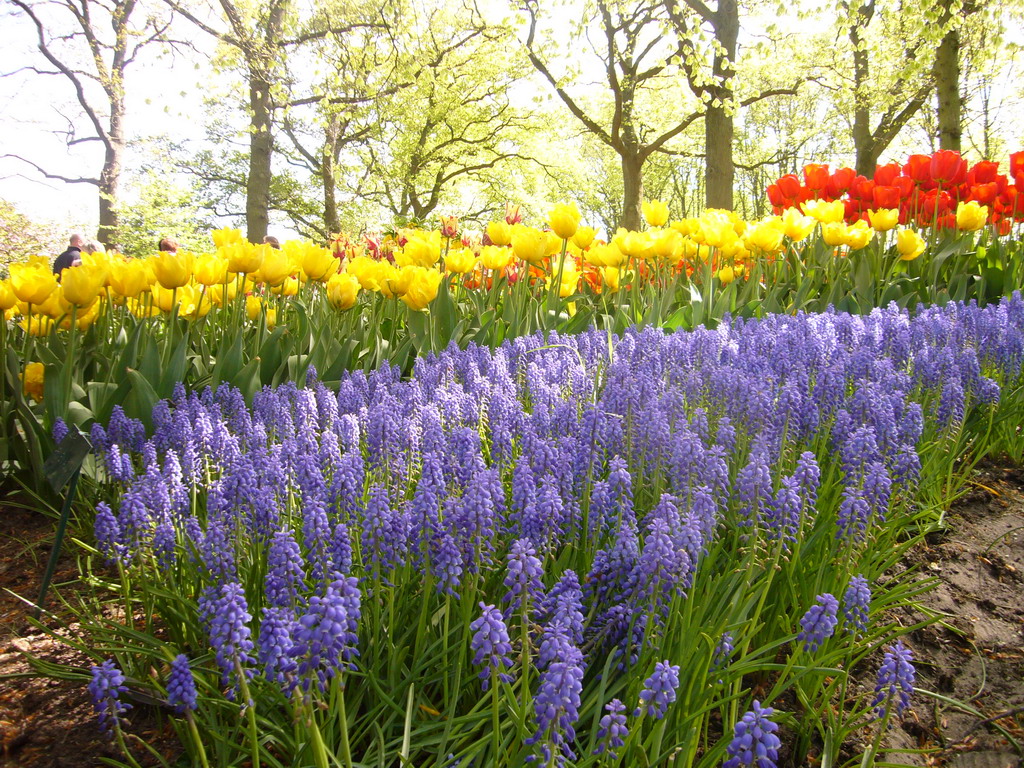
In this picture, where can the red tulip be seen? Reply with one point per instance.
(816, 177)
(948, 168)
(919, 168)
(1016, 163)
(885, 174)
(886, 196)
(775, 197)
(1003, 226)
(983, 172)
(790, 186)
(839, 182)
(862, 189)
(905, 185)
(985, 193)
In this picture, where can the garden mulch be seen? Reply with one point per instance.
(974, 655)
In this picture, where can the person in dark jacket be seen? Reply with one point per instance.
(71, 257)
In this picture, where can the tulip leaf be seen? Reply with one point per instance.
(141, 398)
(228, 366)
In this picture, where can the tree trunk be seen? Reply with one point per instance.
(110, 178)
(327, 176)
(718, 121)
(947, 88)
(632, 189)
(261, 151)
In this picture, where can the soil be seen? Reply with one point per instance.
(973, 656)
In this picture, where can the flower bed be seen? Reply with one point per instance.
(584, 548)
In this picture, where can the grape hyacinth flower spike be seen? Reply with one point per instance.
(819, 622)
(491, 645)
(106, 687)
(754, 742)
(895, 680)
(659, 690)
(612, 730)
(181, 686)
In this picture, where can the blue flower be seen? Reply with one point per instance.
(754, 742)
(612, 730)
(819, 622)
(659, 690)
(181, 686)
(895, 680)
(106, 687)
(491, 645)
(856, 603)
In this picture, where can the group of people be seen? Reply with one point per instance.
(72, 257)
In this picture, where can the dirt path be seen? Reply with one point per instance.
(975, 656)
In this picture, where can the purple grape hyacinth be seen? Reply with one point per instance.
(856, 603)
(659, 690)
(754, 742)
(491, 645)
(895, 680)
(181, 686)
(612, 730)
(106, 687)
(819, 622)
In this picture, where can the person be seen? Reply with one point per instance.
(94, 246)
(72, 257)
(167, 245)
(272, 241)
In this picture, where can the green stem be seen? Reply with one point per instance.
(194, 731)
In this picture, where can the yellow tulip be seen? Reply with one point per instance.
(142, 309)
(884, 219)
(211, 269)
(421, 250)
(129, 278)
(289, 287)
(253, 307)
(795, 225)
(834, 233)
(37, 325)
(529, 244)
(319, 263)
(971, 216)
(32, 380)
(243, 257)
(655, 212)
(275, 268)
(766, 237)
(223, 294)
(584, 237)
(226, 236)
(55, 305)
(84, 319)
(500, 232)
(164, 298)
(637, 245)
(824, 211)
(606, 256)
(460, 261)
(102, 263)
(32, 283)
(421, 288)
(859, 235)
(726, 275)
(395, 282)
(369, 272)
(494, 257)
(610, 277)
(342, 291)
(564, 220)
(172, 270)
(909, 244)
(668, 245)
(81, 285)
(7, 297)
(271, 319)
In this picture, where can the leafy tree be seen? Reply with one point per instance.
(91, 45)
(22, 236)
(163, 207)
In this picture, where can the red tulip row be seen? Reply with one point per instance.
(926, 189)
